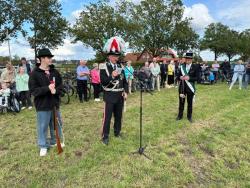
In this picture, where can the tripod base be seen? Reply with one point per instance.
(140, 151)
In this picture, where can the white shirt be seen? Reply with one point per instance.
(188, 66)
(114, 66)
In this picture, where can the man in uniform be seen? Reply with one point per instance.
(188, 74)
(115, 88)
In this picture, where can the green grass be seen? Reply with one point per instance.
(213, 151)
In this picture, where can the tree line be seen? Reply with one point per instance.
(151, 24)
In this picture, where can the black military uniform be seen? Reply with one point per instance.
(113, 88)
(187, 88)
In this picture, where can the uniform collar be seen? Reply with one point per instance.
(113, 65)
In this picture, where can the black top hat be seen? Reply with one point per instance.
(45, 52)
(188, 55)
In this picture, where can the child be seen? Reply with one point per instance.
(211, 77)
(22, 87)
(4, 94)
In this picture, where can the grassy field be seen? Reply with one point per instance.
(213, 151)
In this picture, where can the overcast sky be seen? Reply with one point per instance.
(235, 14)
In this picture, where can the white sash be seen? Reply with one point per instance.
(187, 82)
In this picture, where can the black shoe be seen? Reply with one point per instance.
(118, 135)
(81, 101)
(178, 118)
(190, 120)
(105, 141)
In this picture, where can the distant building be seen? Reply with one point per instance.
(139, 57)
(167, 55)
(145, 55)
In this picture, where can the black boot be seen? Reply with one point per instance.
(105, 141)
(178, 118)
(190, 119)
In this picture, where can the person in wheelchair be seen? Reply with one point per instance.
(8, 94)
(145, 74)
(4, 95)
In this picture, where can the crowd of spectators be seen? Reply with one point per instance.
(158, 74)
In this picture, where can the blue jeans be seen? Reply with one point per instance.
(52, 131)
(43, 122)
(234, 79)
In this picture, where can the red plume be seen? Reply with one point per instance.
(115, 45)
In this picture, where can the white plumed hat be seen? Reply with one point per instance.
(114, 46)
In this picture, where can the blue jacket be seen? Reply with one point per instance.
(129, 71)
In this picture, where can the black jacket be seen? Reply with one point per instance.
(106, 81)
(164, 68)
(225, 66)
(193, 77)
(38, 85)
(248, 68)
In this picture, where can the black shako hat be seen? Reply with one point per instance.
(45, 52)
(188, 55)
(116, 53)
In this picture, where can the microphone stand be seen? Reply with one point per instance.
(141, 149)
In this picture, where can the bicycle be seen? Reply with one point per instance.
(64, 97)
(68, 89)
(68, 84)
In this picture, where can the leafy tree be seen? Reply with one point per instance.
(48, 27)
(214, 38)
(184, 37)
(4, 60)
(97, 23)
(244, 47)
(13, 13)
(147, 25)
(231, 43)
(100, 57)
(155, 20)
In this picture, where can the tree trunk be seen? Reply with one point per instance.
(35, 53)
(215, 55)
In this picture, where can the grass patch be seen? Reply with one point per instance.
(211, 152)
